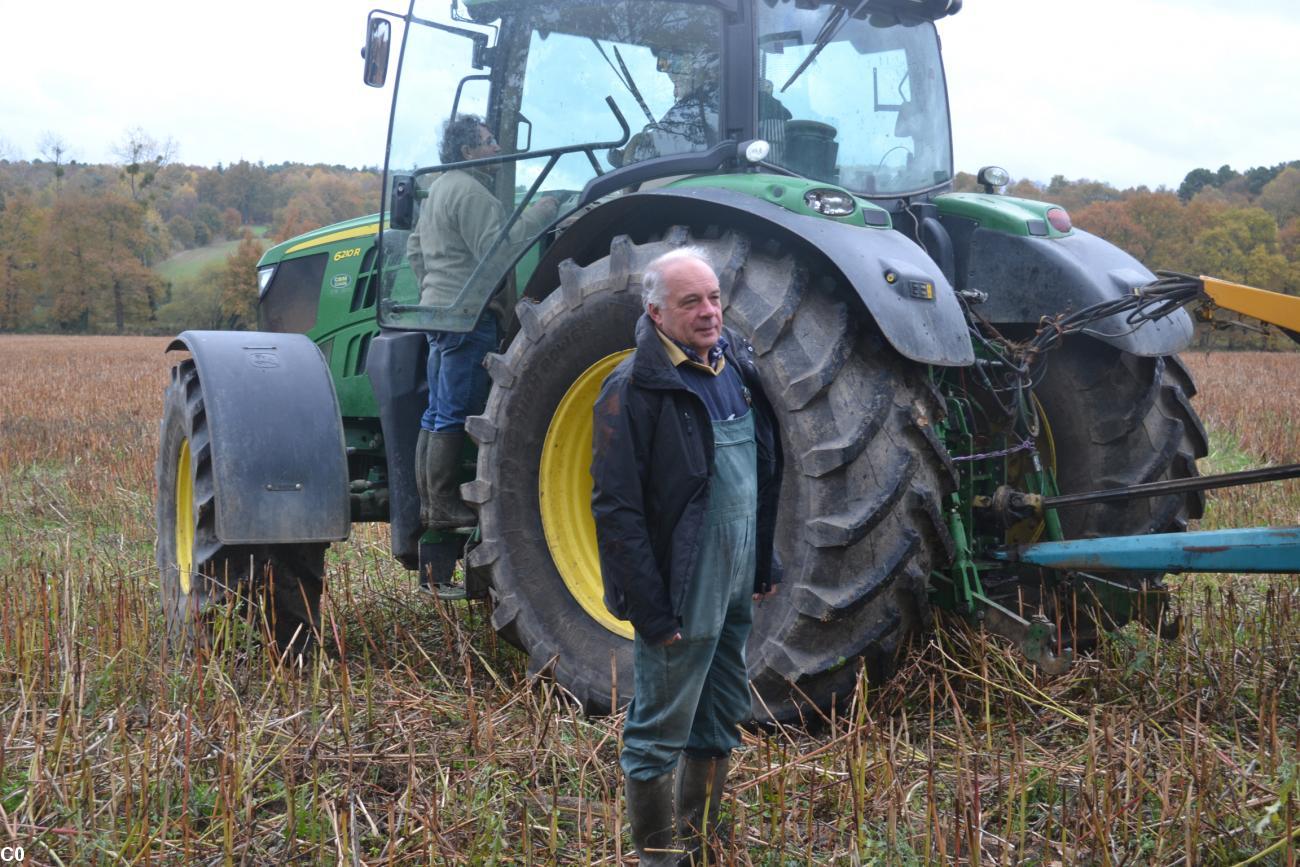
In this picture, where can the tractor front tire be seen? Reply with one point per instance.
(198, 575)
(860, 524)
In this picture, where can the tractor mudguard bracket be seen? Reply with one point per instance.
(279, 464)
(398, 375)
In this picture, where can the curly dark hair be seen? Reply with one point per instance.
(461, 131)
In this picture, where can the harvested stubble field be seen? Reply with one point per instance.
(418, 739)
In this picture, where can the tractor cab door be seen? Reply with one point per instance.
(503, 111)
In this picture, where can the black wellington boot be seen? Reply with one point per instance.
(437, 478)
(650, 812)
(699, 800)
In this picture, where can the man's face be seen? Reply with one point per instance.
(688, 70)
(683, 84)
(487, 146)
(692, 308)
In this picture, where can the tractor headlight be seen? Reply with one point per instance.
(993, 177)
(755, 150)
(832, 203)
(264, 276)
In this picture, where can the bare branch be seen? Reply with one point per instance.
(142, 156)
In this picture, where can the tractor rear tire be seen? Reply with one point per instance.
(1119, 419)
(860, 524)
(198, 575)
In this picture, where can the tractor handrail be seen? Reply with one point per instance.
(589, 147)
(553, 155)
(639, 172)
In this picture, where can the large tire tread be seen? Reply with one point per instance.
(1140, 427)
(861, 519)
(1121, 420)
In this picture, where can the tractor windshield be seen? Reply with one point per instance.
(869, 112)
(502, 114)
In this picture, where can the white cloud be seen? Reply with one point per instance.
(262, 81)
(1128, 91)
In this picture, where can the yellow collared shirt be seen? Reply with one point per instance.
(678, 358)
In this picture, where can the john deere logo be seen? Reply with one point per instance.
(264, 359)
(340, 281)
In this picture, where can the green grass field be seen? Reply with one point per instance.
(187, 265)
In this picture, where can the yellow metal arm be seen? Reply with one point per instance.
(1271, 307)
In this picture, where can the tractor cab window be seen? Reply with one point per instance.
(855, 101)
(532, 126)
(660, 61)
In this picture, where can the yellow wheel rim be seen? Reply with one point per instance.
(184, 517)
(564, 492)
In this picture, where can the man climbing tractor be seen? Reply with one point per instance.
(457, 224)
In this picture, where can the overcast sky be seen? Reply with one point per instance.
(1125, 91)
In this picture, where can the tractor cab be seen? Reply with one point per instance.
(587, 99)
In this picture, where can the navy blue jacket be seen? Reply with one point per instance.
(652, 457)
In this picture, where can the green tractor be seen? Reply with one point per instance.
(804, 145)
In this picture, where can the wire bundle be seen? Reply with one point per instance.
(1020, 364)
(1171, 292)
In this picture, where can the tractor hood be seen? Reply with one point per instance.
(360, 227)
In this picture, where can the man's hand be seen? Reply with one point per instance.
(759, 597)
(677, 636)
(548, 206)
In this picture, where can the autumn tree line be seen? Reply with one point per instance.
(80, 244)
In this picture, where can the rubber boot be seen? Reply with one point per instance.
(650, 812)
(437, 478)
(699, 801)
(422, 480)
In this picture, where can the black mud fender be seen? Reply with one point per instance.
(279, 463)
(1027, 278)
(396, 366)
(925, 325)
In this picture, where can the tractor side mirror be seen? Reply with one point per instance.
(379, 36)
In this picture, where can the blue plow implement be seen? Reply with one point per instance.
(1256, 549)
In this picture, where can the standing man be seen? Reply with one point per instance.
(459, 222)
(687, 468)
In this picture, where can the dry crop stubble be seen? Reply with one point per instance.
(417, 737)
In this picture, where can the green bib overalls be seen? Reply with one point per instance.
(692, 694)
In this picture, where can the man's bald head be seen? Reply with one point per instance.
(682, 297)
(653, 280)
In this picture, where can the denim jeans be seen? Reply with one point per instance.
(458, 383)
(692, 695)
